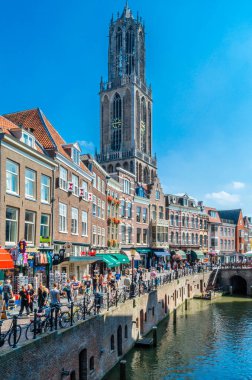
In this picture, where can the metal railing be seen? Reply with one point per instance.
(52, 318)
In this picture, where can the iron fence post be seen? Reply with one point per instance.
(15, 331)
(35, 324)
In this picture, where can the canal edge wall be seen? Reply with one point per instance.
(91, 348)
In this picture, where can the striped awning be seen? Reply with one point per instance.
(6, 261)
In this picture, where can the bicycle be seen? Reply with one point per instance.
(10, 334)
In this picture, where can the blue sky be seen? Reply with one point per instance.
(199, 62)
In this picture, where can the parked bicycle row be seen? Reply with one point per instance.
(53, 314)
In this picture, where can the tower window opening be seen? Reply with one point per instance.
(119, 59)
(116, 123)
(143, 126)
(130, 51)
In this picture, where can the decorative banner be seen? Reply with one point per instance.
(70, 186)
(81, 192)
(90, 197)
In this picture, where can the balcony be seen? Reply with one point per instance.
(123, 81)
(115, 156)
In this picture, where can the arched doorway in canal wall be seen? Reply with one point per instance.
(83, 371)
(239, 285)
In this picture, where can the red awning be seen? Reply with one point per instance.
(6, 261)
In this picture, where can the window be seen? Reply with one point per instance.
(98, 183)
(62, 217)
(94, 180)
(63, 178)
(29, 226)
(196, 223)
(144, 216)
(172, 237)
(138, 214)
(126, 332)
(126, 186)
(172, 220)
(98, 207)
(76, 156)
(154, 212)
(12, 180)
(129, 210)
(94, 205)
(103, 210)
(85, 189)
(176, 220)
(161, 212)
(74, 221)
(123, 232)
(103, 237)
(193, 222)
(123, 208)
(213, 214)
(103, 187)
(45, 189)
(138, 235)
(116, 123)
(145, 233)
(177, 238)
(11, 225)
(75, 181)
(94, 235)
(28, 139)
(84, 223)
(30, 183)
(201, 240)
(129, 235)
(45, 226)
(157, 194)
(205, 241)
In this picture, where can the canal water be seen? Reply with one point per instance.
(211, 340)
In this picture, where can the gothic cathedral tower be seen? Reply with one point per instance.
(126, 102)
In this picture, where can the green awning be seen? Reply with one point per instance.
(144, 251)
(248, 254)
(108, 259)
(83, 259)
(181, 253)
(199, 254)
(123, 259)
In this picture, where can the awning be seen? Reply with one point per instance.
(248, 254)
(181, 253)
(162, 254)
(136, 256)
(144, 251)
(6, 261)
(83, 259)
(108, 259)
(123, 259)
(198, 255)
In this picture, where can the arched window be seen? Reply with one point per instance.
(197, 239)
(91, 363)
(187, 238)
(177, 237)
(119, 53)
(146, 175)
(172, 237)
(183, 238)
(131, 166)
(192, 238)
(172, 220)
(176, 221)
(130, 51)
(112, 343)
(116, 123)
(125, 166)
(143, 126)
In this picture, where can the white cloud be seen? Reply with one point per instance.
(223, 198)
(238, 185)
(86, 144)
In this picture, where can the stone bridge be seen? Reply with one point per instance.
(239, 278)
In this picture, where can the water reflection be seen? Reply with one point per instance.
(211, 340)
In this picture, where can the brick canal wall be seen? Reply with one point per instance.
(91, 348)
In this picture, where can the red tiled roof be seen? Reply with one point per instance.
(43, 131)
(211, 219)
(6, 125)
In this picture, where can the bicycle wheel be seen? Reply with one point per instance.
(77, 316)
(11, 335)
(29, 331)
(64, 319)
(46, 325)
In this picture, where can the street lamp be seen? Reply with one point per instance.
(132, 286)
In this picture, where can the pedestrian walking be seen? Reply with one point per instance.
(7, 292)
(68, 290)
(55, 297)
(95, 283)
(42, 296)
(101, 280)
(24, 301)
(30, 297)
(75, 287)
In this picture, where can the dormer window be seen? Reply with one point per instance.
(185, 202)
(76, 156)
(28, 139)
